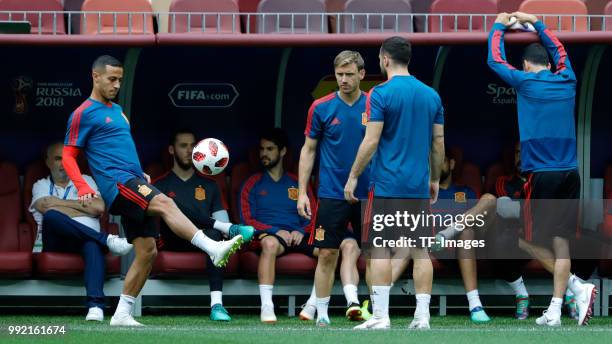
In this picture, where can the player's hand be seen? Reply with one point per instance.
(285, 235)
(434, 188)
(524, 17)
(303, 206)
(503, 18)
(87, 199)
(296, 238)
(147, 177)
(349, 190)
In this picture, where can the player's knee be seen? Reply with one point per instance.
(146, 249)
(328, 256)
(488, 197)
(162, 204)
(350, 249)
(269, 245)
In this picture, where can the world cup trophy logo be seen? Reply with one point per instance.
(21, 86)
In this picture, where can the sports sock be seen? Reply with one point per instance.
(216, 297)
(224, 227)
(204, 243)
(380, 296)
(555, 306)
(125, 305)
(312, 300)
(473, 299)
(350, 293)
(519, 287)
(265, 294)
(450, 232)
(322, 305)
(422, 306)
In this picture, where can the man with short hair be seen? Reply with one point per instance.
(199, 198)
(102, 131)
(336, 124)
(66, 225)
(405, 129)
(548, 156)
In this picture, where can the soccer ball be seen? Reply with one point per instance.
(210, 156)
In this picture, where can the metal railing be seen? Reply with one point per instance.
(64, 22)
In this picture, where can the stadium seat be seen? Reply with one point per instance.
(287, 23)
(596, 7)
(161, 9)
(420, 6)
(608, 12)
(138, 21)
(248, 6)
(508, 6)
(465, 173)
(334, 6)
(179, 23)
(45, 23)
(292, 264)
(493, 172)
(73, 20)
(183, 264)
(15, 238)
(240, 172)
(564, 11)
(461, 20)
(377, 22)
(607, 196)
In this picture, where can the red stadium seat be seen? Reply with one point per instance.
(377, 23)
(420, 6)
(44, 23)
(508, 6)
(179, 23)
(564, 9)
(240, 172)
(596, 7)
(173, 264)
(607, 196)
(608, 12)
(465, 173)
(292, 264)
(139, 20)
(15, 238)
(462, 21)
(299, 23)
(248, 6)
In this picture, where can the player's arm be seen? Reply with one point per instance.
(436, 159)
(248, 208)
(497, 53)
(367, 148)
(308, 224)
(307, 158)
(554, 47)
(71, 208)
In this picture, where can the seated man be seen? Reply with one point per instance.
(68, 225)
(197, 197)
(268, 201)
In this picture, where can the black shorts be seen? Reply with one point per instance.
(304, 247)
(131, 204)
(332, 220)
(551, 206)
(401, 230)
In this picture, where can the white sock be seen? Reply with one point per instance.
(555, 306)
(322, 305)
(380, 296)
(312, 300)
(450, 232)
(204, 243)
(126, 303)
(473, 299)
(216, 297)
(574, 284)
(265, 293)
(222, 226)
(422, 304)
(350, 293)
(519, 287)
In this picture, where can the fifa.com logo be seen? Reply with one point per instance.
(413, 221)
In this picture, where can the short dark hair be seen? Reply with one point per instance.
(105, 60)
(51, 146)
(536, 53)
(179, 131)
(276, 135)
(398, 49)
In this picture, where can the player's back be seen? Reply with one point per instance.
(409, 108)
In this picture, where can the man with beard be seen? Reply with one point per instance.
(336, 124)
(199, 198)
(268, 203)
(100, 129)
(66, 225)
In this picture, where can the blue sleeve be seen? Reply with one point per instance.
(375, 106)
(314, 125)
(497, 57)
(79, 129)
(555, 49)
(248, 208)
(439, 116)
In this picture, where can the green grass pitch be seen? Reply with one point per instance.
(247, 329)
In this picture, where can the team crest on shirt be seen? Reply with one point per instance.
(320, 234)
(144, 190)
(200, 193)
(292, 193)
(364, 118)
(460, 197)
